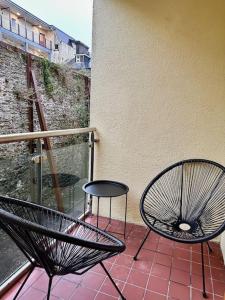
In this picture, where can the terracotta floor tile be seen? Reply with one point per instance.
(216, 262)
(146, 255)
(34, 276)
(132, 292)
(179, 291)
(74, 278)
(98, 268)
(180, 276)
(197, 257)
(158, 285)
(166, 241)
(119, 272)
(197, 248)
(64, 288)
(142, 265)
(124, 260)
(109, 289)
(161, 271)
(165, 249)
(42, 282)
(138, 278)
(196, 281)
(218, 297)
(33, 294)
(163, 259)
(82, 293)
(130, 250)
(219, 287)
(197, 270)
(218, 274)
(197, 295)
(182, 254)
(181, 264)
(101, 296)
(182, 246)
(153, 296)
(150, 245)
(93, 280)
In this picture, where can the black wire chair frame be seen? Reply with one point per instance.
(186, 203)
(55, 241)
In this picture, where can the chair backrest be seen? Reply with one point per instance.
(40, 234)
(190, 192)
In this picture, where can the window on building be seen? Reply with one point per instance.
(78, 58)
(56, 46)
(13, 22)
(42, 39)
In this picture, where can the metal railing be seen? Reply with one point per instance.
(73, 154)
(24, 32)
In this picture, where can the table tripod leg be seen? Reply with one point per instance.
(125, 223)
(97, 212)
(85, 199)
(110, 210)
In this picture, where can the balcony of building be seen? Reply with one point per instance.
(24, 30)
(10, 28)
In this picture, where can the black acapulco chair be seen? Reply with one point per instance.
(186, 203)
(56, 242)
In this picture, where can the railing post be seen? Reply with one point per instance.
(91, 175)
(39, 172)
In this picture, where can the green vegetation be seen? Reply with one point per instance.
(47, 77)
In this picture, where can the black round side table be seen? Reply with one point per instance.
(108, 189)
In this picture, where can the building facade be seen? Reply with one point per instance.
(27, 32)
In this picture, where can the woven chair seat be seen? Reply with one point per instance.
(64, 244)
(186, 202)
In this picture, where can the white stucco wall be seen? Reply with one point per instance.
(64, 54)
(158, 88)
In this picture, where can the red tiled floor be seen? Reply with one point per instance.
(133, 292)
(180, 276)
(219, 287)
(181, 264)
(165, 248)
(124, 260)
(138, 278)
(82, 293)
(154, 296)
(93, 280)
(161, 271)
(196, 281)
(32, 294)
(179, 291)
(163, 259)
(158, 285)
(64, 288)
(165, 270)
(108, 288)
(101, 296)
(119, 272)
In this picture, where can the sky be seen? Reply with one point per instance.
(71, 16)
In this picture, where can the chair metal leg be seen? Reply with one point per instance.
(49, 287)
(203, 273)
(139, 249)
(25, 280)
(116, 287)
(210, 249)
